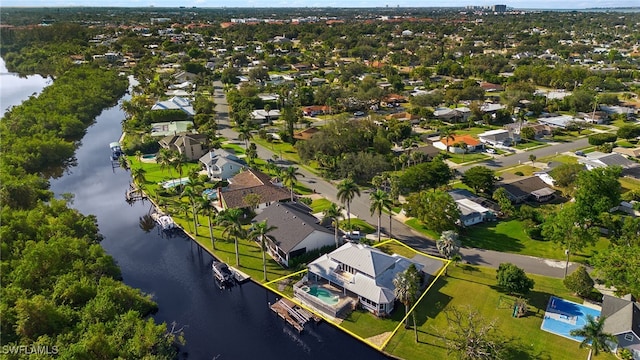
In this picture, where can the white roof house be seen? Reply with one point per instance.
(597, 159)
(472, 213)
(175, 103)
(262, 115)
(364, 271)
(221, 164)
(560, 121)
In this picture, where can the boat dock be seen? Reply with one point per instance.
(134, 193)
(292, 313)
(239, 275)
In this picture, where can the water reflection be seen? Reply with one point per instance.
(218, 323)
(14, 89)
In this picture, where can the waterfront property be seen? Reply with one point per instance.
(220, 164)
(623, 322)
(191, 145)
(296, 232)
(248, 182)
(562, 316)
(357, 271)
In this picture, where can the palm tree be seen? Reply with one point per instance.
(448, 244)
(138, 155)
(177, 161)
(259, 232)
(252, 152)
(406, 287)
(138, 176)
(244, 133)
(347, 190)
(379, 201)
(532, 158)
(206, 207)
(447, 134)
(164, 159)
(230, 219)
(191, 193)
(334, 212)
(594, 335)
(289, 178)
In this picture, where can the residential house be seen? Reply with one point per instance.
(596, 159)
(175, 103)
(171, 128)
(558, 121)
(192, 146)
(545, 175)
(247, 182)
(629, 153)
(404, 116)
(262, 115)
(184, 76)
(472, 143)
(221, 164)
(489, 87)
(296, 231)
(315, 110)
(473, 209)
(522, 188)
(498, 137)
(363, 272)
(614, 109)
(429, 151)
(623, 322)
(452, 115)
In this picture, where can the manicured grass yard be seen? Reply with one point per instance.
(629, 184)
(475, 287)
(510, 236)
(320, 205)
(470, 157)
(419, 226)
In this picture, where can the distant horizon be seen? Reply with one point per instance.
(284, 4)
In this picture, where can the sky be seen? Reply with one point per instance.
(521, 4)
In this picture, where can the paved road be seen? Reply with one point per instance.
(400, 231)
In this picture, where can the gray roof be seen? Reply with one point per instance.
(292, 224)
(621, 315)
(220, 157)
(599, 159)
(379, 289)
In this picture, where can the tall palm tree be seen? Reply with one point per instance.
(447, 134)
(206, 207)
(164, 159)
(334, 212)
(347, 190)
(594, 335)
(191, 193)
(177, 161)
(289, 178)
(230, 219)
(244, 133)
(448, 245)
(138, 155)
(260, 231)
(138, 176)
(406, 288)
(379, 201)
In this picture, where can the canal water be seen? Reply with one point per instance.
(217, 324)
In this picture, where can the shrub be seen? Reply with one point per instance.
(513, 279)
(599, 139)
(519, 173)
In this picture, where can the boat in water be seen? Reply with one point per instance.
(222, 273)
(164, 221)
(116, 150)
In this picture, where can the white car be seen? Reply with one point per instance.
(490, 151)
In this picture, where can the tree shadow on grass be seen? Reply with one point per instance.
(432, 304)
(517, 351)
(485, 236)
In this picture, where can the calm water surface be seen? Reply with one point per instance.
(15, 89)
(218, 324)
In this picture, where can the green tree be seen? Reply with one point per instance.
(191, 193)
(594, 335)
(436, 209)
(245, 134)
(230, 220)
(528, 133)
(407, 288)
(513, 279)
(138, 176)
(379, 201)
(347, 191)
(260, 231)
(334, 212)
(289, 178)
(628, 131)
(532, 158)
(448, 244)
(579, 282)
(618, 268)
(565, 175)
(506, 207)
(597, 191)
(479, 178)
(206, 207)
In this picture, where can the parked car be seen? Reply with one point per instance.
(490, 151)
(580, 153)
(358, 113)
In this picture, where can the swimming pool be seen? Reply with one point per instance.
(323, 295)
(174, 182)
(212, 194)
(562, 316)
(149, 156)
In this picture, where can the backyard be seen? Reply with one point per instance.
(476, 287)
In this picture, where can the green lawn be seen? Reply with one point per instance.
(475, 287)
(510, 236)
(565, 159)
(629, 184)
(320, 205)
(527, 170)
(470, 157)
(530, 144)
(419, 226)
(280, 148)
(358, 224)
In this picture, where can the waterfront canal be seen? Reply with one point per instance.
(217, 324)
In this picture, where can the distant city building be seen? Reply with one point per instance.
(499, 8)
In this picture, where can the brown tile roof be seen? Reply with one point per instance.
(305, 134)
(468, 139)
(251, 182)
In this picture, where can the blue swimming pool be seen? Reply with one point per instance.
(562, 316)
(212, 194)
(174, 182)
(323, 295)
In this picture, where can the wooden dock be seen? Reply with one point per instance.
(239, 275)
(134, 193)
(294, 315)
